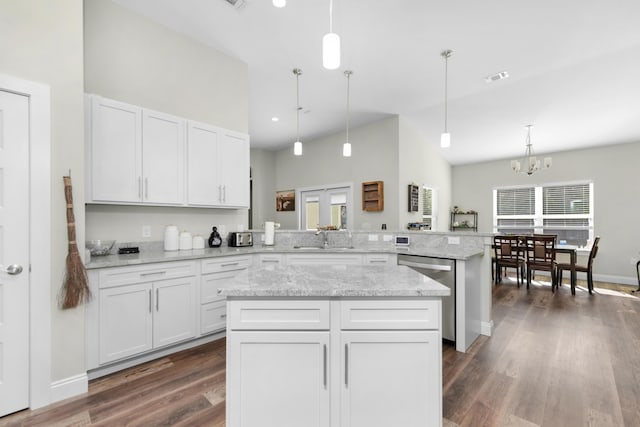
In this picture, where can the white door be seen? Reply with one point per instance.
(280, 379)
(233, 150)
(175, 311)
(162, 158)
(391, 378)
(115, 152)
(14, 252)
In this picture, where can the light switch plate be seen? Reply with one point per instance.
(146, 231)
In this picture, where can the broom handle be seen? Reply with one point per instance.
(71, 221)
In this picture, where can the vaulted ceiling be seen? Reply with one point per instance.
(573, 65)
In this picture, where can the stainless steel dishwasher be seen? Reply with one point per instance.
(442, 270)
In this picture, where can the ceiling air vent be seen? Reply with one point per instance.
(235, 3)
(497, 76)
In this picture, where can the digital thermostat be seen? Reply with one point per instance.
(402, 240)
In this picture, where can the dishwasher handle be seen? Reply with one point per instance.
(425, 266)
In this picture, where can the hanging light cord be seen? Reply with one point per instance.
(297, 72)
(348, 74)
(331, 16)
(446, 54)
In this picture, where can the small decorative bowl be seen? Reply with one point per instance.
(99, 247)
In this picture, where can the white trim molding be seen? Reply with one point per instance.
(69, 387)
(39, 236)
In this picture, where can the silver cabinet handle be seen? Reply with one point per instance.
(150, 301)
(13, 269)
(324, 365)
(146, 188)
(377, 261)
(223, 316)
(229, 264)
(157, 299)
(139, 187)
(346, 365)
(220, 193)
(152, 273)
(224, 194)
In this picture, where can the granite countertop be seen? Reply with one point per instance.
(332, 281)
(148, 256)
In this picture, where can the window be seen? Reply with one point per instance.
(429, 208)
(322, 206)
(562, 209)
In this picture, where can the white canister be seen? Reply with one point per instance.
(186, 241)
(269, 233)
(198, 242)
(171, 240)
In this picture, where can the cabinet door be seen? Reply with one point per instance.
(233, 149)
(203, 162)
(163, 158)
(174, 311)
(114, 156)
(278, 379)
(125, 322)
(391, 378)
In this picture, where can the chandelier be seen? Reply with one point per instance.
(530, 163)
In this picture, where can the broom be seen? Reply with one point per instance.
(75, 288)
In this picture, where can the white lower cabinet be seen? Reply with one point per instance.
(390, 379)
(348, 363)
(283, 379)
(141, 317)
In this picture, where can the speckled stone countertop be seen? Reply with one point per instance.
(332, 281)
(153, 255)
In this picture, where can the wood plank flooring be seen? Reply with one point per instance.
(554, 360)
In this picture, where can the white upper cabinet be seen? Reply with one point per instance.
(217, 167)
(139, 156)
(114, 152)
(162, 158)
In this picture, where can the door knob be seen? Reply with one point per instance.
(12, 269)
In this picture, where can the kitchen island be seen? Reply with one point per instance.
(334, 345)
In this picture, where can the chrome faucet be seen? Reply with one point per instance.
(325, 236)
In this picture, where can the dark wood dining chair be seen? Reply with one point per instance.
(508, 255)
(582, 268)
(541, 256)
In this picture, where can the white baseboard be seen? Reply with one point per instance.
(69, 387)
(486, 328)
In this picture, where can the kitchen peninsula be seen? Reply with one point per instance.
(334, 345)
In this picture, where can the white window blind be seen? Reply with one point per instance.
(428, 215)
(562, 209)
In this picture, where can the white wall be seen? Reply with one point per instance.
(131, 59)
(614, 171)
(263, 173)
(374, 158)
(42, 42)
(420, 163)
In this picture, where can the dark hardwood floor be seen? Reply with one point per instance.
(553, 360)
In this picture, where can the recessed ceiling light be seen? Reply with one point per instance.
(497, 76)
(279, 3)
(275, 119)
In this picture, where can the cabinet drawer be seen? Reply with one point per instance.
(324, 259)
(213, 317)
(279, 315)
(230, 263)
(389, 314)
(378, 259)
(210, 283)
(110, 277)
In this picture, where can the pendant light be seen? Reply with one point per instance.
(445, 138)
(530, 162)
(297, 146)
(279, 3)
(346, 147)
(331, 45)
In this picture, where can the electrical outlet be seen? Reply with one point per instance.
(373, 237)
(222, 230)
(146, 231)
(453, 240)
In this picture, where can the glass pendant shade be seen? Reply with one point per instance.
(279, 3)
(445, 140)
(331, 51)
(346, 149)
(297, 148)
